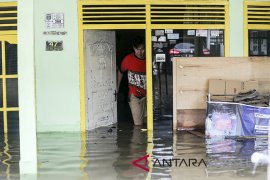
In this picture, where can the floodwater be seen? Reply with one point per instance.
(108, 153)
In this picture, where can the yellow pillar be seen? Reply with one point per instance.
(149, 69)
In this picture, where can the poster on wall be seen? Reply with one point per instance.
(54, 20)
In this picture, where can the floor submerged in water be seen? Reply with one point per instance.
(120, 152)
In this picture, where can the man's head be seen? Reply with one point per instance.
(139, 47)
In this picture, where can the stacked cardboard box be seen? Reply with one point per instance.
(225, 90)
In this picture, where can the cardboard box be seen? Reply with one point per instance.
(250, 85)
(233, 88)
(217, 87)
(229, 88)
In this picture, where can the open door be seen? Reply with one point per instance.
(100, 78)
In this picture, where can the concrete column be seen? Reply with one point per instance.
(26, 77)
(236, 28)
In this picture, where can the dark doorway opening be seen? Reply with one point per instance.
(123, 47)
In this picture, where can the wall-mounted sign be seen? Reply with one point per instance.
(162, 39)
(54, 45)
(191, 32)
(154, 38)
(201, 32)
(168, 31)
(173, 36)
(159, 32)
(54, 20)
(160, 57)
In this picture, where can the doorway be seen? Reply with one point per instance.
(124, 40)
(104, 51)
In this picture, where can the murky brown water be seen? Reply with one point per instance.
(108, 153)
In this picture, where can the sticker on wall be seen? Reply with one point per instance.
(54, 20)
(191, 32)
(214, 33)
(162, 39)
(168, 31)
(54, 45)
(154, 38)
(201, 33)
(159, 32)
(173, 36)
(160, 57)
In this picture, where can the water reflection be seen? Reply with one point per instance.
(104, 153)
(108, 153)
(59, 156)
(162, 149)
(6, 160)
(112, 150)
(232, 157)
(188, 146)
(9, 156)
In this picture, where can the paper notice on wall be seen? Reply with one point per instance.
(154, 38)
(159, 32)
(173, 36)
(160, 57)
(191, 32)
(201, 33)
(162, 39)
(54, 20)
(168, 31)
(214, 33)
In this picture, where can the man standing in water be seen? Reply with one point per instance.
(135, 65)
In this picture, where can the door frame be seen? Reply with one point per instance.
(148, 27)
(82, 77)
